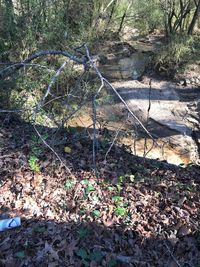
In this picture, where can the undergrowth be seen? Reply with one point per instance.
(173, 54)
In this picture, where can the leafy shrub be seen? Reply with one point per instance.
(173, 54)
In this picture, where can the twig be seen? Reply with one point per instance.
(53, 80)
(147, 121)
(11, 110)
(114, 139)
(55, 153)
(91, 62)
(171, 254)
(21, 64)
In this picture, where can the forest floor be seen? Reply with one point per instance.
(137, 213)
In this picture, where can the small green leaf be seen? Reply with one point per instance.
(120, 211)
(85, 182)
(85, 263)
(20, 254)
(89, 189)
(83, 232)
(119, 188)
(39, 229)
(117, 198)
(69, 184)
(96, 213)
(33, 163)
(110, 188)
(82, 253)
(121, 179)
(96, 256)
(112, 263)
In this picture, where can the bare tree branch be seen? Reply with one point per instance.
(11, 69)
(11, 110)
(48, 91)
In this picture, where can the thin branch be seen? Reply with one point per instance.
(147, 121)
(11, 110)
(172, 255)
(55, 153)
(11, 69)
(53, 80)
(112, 144)
(26, 65)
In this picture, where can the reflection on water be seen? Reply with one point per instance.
(161, 150)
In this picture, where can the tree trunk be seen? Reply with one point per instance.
(194, 19)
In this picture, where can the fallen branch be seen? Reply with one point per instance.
(11, 69)
(11, 110)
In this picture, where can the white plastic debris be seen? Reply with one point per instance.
(10, 223)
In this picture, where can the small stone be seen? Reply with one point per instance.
(182, 82)
(187, 81)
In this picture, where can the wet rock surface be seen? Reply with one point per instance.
(173, 118)
(122, 61)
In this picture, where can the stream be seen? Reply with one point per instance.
(170, 111)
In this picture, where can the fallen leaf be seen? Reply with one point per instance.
(67, 149)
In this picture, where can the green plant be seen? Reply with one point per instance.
(119, 188)
(83, 232)
(69, 184)
(88, 256)
(36, 152)
(33, 163)
(117, 199)
(111, 188)
(20, 254)
(121, 179)
(112, 263)
(120, 211)
(96, 213)
(173, 54)
(89, 189)
(85, 182)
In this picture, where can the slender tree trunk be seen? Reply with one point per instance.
(111, 15)
(194, 19)
(123, 18)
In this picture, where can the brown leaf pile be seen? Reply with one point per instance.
(135, 214)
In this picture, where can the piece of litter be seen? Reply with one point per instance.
(10, 223)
